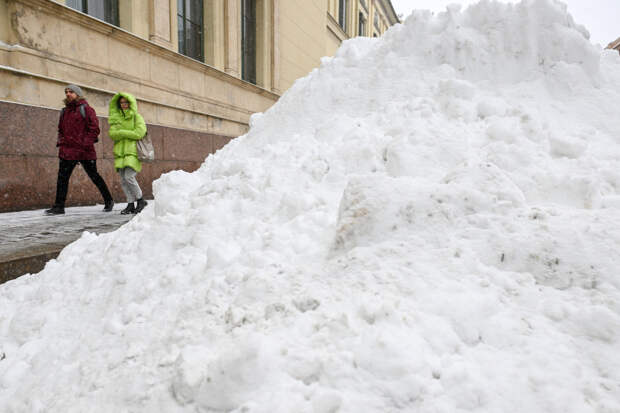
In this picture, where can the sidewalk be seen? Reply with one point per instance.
(29, 239)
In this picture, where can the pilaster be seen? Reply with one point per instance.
(215, 29)
(160, 31)
(4, 21)
(264, 43)
(233, 38)
(276, 84)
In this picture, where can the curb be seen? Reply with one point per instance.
(31, 261)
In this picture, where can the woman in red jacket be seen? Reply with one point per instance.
(78, 130)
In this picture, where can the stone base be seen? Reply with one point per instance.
(30, 263)
(29, 159)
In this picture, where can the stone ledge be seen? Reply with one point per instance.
(29, 239)
(30, 261)
(335, 28)
(61, 82)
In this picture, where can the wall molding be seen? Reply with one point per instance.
(64, 12)
(21, 72)
(335, 28)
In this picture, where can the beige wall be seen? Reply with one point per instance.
(335, 35)
(302, 38)
(57, 45)
(381, 8)
(264, 43)
(214, 34)
(332, 7)
(309, 30)
(134, 15)
(4, 22)
(191, 106)
(131, 17)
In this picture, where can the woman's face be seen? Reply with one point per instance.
(124, 103)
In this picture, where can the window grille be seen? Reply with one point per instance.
(248, 40)
(342, 13)
(106, 10)
(361, 25)
(190, 16)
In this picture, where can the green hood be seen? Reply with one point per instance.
(125, 130)
(115, 110)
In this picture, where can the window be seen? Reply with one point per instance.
(106, 10)
(191, 29)
(361, 30)
(248, 40)
(342, 14)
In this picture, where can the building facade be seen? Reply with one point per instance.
(198, 68)
(615, 45)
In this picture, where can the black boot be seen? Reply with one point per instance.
(129, 209)
(108, 205)
(55, 210)
(141, 204)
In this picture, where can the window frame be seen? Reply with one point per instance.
(190, 29)
(343, 10)
(361, 24)
(111, 13)
(249, 44)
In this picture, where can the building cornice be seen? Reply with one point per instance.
(390, 13)
(20, 72)
(213, 102)
(335, 28)
(57, 9)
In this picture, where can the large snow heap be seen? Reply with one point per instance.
(429, 222)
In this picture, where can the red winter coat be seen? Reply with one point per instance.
(76, 134)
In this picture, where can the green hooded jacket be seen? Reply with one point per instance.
(126, 128)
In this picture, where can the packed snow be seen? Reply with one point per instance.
(429, 222)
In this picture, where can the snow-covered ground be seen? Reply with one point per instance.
(429, 222)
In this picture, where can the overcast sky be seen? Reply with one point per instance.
(600, 17)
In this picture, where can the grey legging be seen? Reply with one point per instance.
(130, 184)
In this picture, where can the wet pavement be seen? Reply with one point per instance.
(29, 239)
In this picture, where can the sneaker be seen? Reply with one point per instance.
(108, 206)
(141, 204)
(129, 209)
(55, 210)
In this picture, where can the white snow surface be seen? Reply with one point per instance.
(429, 222)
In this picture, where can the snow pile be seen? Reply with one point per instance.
(429, 222)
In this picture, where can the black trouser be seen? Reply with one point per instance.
(64, 173)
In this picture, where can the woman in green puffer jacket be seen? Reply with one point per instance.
(127, 127)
